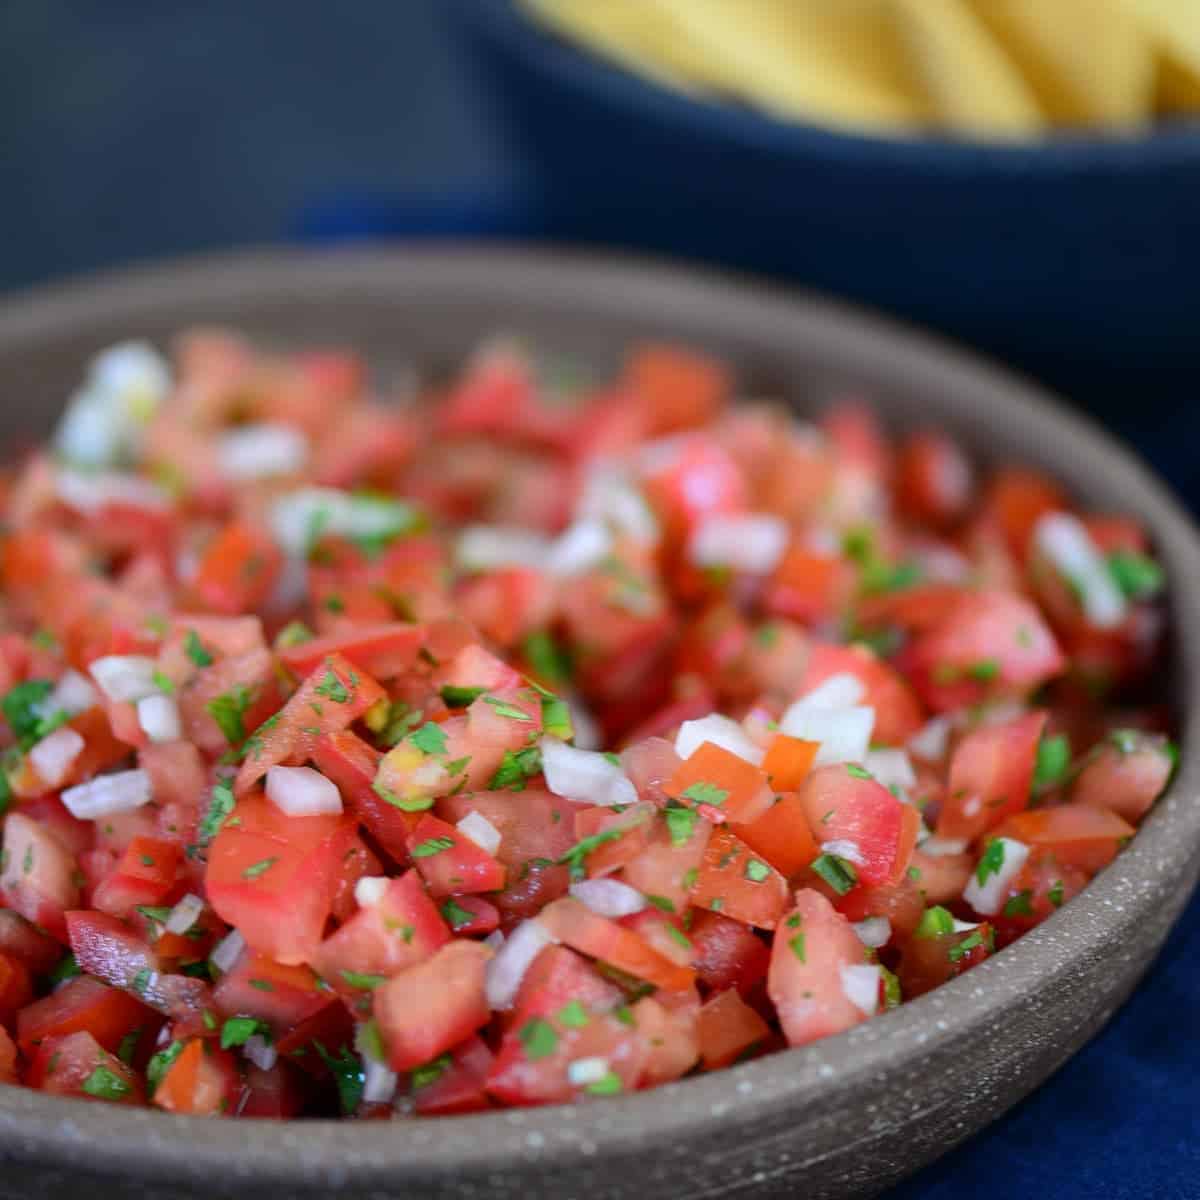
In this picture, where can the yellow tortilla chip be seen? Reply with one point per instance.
(1174, 28)
(1087, 61)
(974, 87)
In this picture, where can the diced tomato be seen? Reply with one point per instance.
(600, 938)
(845, 805)
(1125, 774)
(238, 570)
(334, 696)
(670, 1028)
(426, 1009)
(8, 1059)
(20, 939)
(280, 996)
(991, 773)
(808, 585)
(622, 836)
(145, 875)
(1015, 498)
(557, 976)
(734, 881)
(941, 878)
(1039, 890)
(989, 644)
(928, 962)
(934, 480)
(274, 877)
(16, 987)
(274, 1095)
(782, 835)
(668, 864)
(788, 761)
(77, 1065)
(726, 953)
(680, 388)
(82, 1004)
(1077, 834)
(729, 1027)
(37, 878)
(471, 916)
(812, 947)
(401, 929)
(382, 651)
(901, 903)
(716, 777)
(177, 780)
(202, 1082)
(454, 1082)
(450, 862)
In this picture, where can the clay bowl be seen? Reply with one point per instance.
(845, 1117)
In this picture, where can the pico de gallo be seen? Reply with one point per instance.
(530, 736)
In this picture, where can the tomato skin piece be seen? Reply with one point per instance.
(723, 883)
(728, 1028)
(238, 570)
(991, 773)
(38, 877)
(333, 697)
(805, 987)
(403, 929)
(1125, 775)
(713, 769)
(842, 807)
(989, 644)
(575, 925)
(459, 867)
(62, 1065)
(202, 1082)
(726, 954)
(1078, 834)
(382, 651)
(82, 1004)
(898, 712)
(280, 907)
(429, 1008)
(782, 835)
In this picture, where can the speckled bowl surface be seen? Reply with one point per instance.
(841, 1118)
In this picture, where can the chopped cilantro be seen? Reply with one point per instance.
(362, 981)
(797, 947)
(332, 688)
(347, 1073)
(1053, 761)
(430, 1072)
(515, 768)
(263, 985)
(405, 803)
(237, 1031)
(432, 846)
(65, 968)
(678, 936)
(260, 868)
(573, 1015)
(295, 633)
(767, 635)
(504, 709)
(836, 872)
(141, 981)
(963, 948)
(935, 922)
(229, 711)
(160, 1064)
(196, 651)
(430, 738)
(556, 718)
(985, 670)
(576, 856)
(334, 603)
(22, 707)
(661, 903)
(756, 871)
(891, 988)
(460, 697)
(220, 805)
(857, 772)
(128, 1047)
(688, 881)
(607, 1085)
(105, 1085)
(991, 861)
(154, 913)
(1138, 576)
(1020, 905)
(538, 1038)
(1055, 894)
(458, 765)
(548, 660)
(706, 793)
(456, 916)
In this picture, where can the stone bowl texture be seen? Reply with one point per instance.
(842, 1118)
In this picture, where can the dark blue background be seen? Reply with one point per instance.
(134, 130)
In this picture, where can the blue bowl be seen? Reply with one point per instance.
(1076, 258)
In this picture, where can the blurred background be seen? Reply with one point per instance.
(134, 130)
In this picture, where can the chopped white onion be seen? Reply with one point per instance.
(943, 847)
(844, 733)
(495, 939)
(300, 517)
(860, 985)
(584, 775)
(842, 690)
(486, 547)
(369, 890)
(962, 926)
(874, 931)
(72, 694)
(159, 718)
(609, 897)
(302, 792)
(583, 1071)
(844, 848)
(891, 768)
(54, 755)
(125, 678)
(89, 493)
(379, 1082)
(291, 586)
(988, 896)
(260, 1052)
(721, 731)
(751, 542)
(505, 971)
(580, 547)
(1063, 540)
(108, 794)
(583, 724)
(227, 951)
(184, 915)
(821, 539)
(261, 451)
(609, 496)
(931, 740)
(133, 370)
(481, 831)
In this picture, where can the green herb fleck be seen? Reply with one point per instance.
(1138, 576)
(991, 861)
(430, 1072)
(607, 1085)
(195, 650)
(573, 1015)
(538, 1038)
(797, 947)
(1055, 894)
(1053, 761)
(706, 793)
(455, 915)
(935, 922)
(661, 903)
(515, 768)
(362, 981)
(229, 711)
(104, 1085)
(504, 709)
(460, 697)
(432, 846)
(237, 1031)
(347, 1073)
(756, 871)
(958, 952)
(160, 1064)
(260, 867)
(836, 872)
(1020, 905)
(430, 738)
(332, 688)
(858, 772)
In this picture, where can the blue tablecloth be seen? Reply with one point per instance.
(1121, 1121)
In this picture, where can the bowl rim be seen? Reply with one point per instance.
(1067, 152)
(40, 1128)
